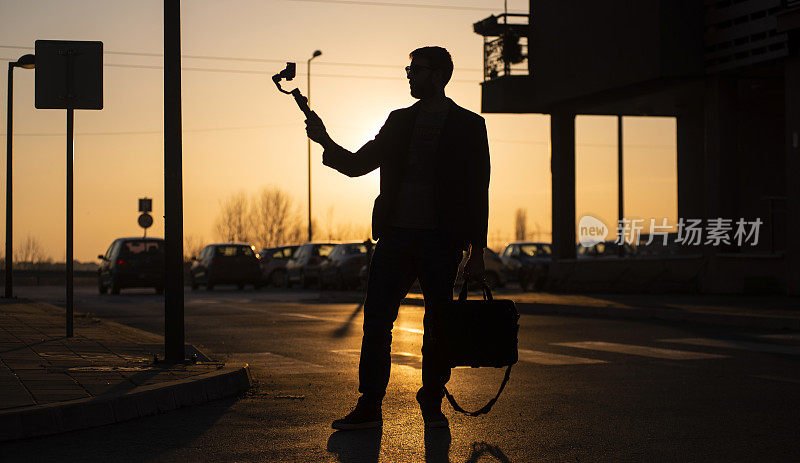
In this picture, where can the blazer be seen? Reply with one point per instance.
(462, 172)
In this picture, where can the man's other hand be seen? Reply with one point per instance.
(474, 270)
(316, 131)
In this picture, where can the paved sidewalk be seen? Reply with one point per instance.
(104, 374)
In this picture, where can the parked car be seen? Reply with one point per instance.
(604, 249)
(304, 266)
(528, 263)
(132, 263)
(226, 263)
(273, 264)
(341, 269)
(495, 273)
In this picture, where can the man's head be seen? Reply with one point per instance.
(429, 72)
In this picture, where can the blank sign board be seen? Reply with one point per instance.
(69, 74)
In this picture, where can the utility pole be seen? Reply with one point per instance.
(173, 186)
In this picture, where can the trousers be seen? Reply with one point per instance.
(402, 256)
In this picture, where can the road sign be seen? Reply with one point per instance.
(145, 220)
(145, 205)
(69, 74)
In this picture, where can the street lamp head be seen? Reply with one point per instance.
(316, 53)
(26, 62)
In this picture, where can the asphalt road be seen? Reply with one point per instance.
(585, 389)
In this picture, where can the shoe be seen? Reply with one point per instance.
(432, 412)
(362, 417)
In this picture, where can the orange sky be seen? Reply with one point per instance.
(241, 134)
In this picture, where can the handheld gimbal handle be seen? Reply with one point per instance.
(301, 101)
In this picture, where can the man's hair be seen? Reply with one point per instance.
(438, 57)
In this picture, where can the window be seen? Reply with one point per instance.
(356, 249)
(142, 247)
(288, 252)
(323, 250)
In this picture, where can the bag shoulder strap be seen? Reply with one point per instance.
(485, 409)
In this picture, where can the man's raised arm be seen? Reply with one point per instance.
(363, 161)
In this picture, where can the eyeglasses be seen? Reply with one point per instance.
(415, 68)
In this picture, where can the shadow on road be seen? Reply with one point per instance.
(343, 330)
(480, 449)
(356, 446)
(160, 437)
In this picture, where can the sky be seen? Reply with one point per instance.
(241, 134)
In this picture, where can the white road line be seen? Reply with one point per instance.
(643, 351)
(781, 337)
(741, 345)
(547, 358)
(336, 320)
(278, 364)
(777, 378)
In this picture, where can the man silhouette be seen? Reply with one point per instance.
(433, 205)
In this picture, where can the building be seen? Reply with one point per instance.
(727, 70)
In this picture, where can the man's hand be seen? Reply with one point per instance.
(316, 131)
(474, 269)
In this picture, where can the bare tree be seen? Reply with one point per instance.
(234, 222)
(192, 245)
(276, 220)
(30, 254)
(520, 224)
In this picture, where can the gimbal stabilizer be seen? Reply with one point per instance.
(302, 101)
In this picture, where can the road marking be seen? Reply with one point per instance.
(777, 378)
(780, 337)
(336, 320)
(547, 358)
(643, 351)
(741, 345)
(407, 359)
(279, 364)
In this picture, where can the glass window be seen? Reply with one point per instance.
(227, 251)
(529, 249)
(142, 247)
(288, 252)
(356, 249)
(278, 254)
(323, 250)
(546, 249)
(508, 250)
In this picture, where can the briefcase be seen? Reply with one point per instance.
(479, 333)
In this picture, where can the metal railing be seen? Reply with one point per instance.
(505, 44)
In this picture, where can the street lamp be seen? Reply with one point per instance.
(25, 62)
(308, 140)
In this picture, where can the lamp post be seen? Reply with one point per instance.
(25, 62)
(308, 140)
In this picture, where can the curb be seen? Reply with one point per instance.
(40, 420)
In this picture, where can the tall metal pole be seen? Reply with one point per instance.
(70, 166)
(620, 195)
(308, 145)
(9, 216)
(173, 185)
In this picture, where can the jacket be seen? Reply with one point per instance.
(462, 172)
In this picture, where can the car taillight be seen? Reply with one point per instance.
(120, 262)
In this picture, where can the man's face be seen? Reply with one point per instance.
(421, 78)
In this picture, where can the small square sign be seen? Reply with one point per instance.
(145, 204)
(69, 74)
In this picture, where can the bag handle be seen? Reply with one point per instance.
(485, 409)
(487, 294)
(487, 291)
